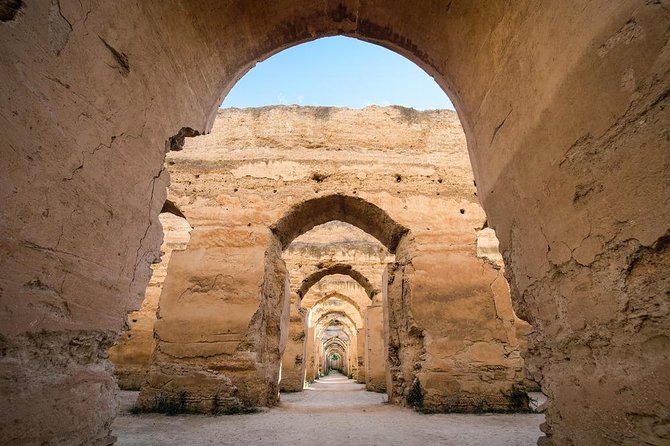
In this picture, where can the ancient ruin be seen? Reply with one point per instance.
(439, 335)
(564, 109)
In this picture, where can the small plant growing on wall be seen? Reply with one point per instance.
(518, 399)
(216, 403)
(169, 405)
(414, 397)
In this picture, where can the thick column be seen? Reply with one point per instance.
(218, 347)
(452, 338)
(375, 364)
(311, 364)
(360, 357)
(322, 364)
(293, 359)
(352, 358)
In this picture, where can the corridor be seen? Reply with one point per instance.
(333, 411)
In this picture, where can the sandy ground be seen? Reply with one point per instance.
(334, 411)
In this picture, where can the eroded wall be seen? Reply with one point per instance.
(218, 333)
(131, 354)
(294, 357)
(87, 116)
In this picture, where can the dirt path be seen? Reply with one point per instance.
(334, 411)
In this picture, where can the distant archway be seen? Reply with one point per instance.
(337, 268)
(340, 296)
(353, 210)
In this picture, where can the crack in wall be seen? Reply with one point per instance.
(120, 58)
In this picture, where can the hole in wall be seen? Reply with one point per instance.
(9, 9)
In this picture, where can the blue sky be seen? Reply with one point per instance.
(337, 71)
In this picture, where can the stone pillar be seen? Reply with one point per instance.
(452, 346)
(375, 364)
(218, 346)
(293, 359)
(311, 364)
(321, 355)
(360, 358)
(352, 358)
(391, 353)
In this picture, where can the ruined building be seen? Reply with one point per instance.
(387, 266)
(564, 107)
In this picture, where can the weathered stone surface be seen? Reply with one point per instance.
(375, 350)
(132, 352)
(293, 377)
(76, 361)
(223, 320)
(568, 142)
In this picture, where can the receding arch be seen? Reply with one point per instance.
(327, 318)
(337, 268)
(339, 333)
(335, 340)
(336, 343)
(353, 210)
(340, 296)
(345, 306)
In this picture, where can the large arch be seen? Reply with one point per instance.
(248, 352)
(336, 207)
(552, 130)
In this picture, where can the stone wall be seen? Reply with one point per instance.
(293, 372)
(131, 354)
(565, 111)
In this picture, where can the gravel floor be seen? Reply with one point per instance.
(334, 411)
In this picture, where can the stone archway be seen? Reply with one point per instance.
(364, 215)
(337, 268)
(294, 373)
(335, 327)
(341, 297)
(554, 131)
(353, 210)
(297, 359)
(359, 213)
